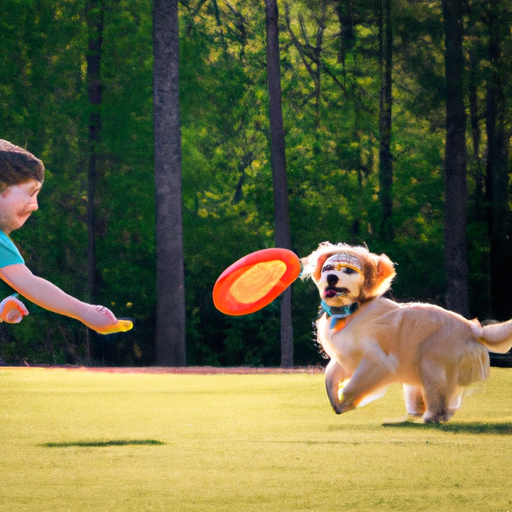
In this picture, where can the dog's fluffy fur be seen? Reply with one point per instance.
(436, 354)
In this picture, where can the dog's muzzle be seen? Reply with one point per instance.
(332, 279)
(331, 289)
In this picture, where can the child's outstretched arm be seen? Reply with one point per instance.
(47, 295)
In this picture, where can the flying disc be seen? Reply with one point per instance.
(254, 281)
(122, 325)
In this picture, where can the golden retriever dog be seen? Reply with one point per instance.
(373, 342)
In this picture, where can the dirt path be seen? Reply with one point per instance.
(204, 370)
(197, 370)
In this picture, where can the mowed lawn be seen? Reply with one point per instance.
(76, 440)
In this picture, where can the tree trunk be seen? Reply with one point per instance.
(346, 24)
(386, 99)
(170, 282)
(474, 63)
(497, 184)
(455, 164)
(278, 161)
(94, 12)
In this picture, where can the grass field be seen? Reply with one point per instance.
(74, 440)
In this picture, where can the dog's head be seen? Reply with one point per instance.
(346, 274)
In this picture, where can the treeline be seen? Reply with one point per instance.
(336, 59)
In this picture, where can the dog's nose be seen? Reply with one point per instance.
(332, 279)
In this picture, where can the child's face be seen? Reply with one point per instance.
(17, 203)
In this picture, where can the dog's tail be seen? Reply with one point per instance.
(496, 337)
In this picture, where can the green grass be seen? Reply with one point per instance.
(88, 441)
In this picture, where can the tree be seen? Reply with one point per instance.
(310, 53)
(278, 161)
(385, 108)
(497, 177)
(346, 22)
(170, 294)
(455, 163)
(94, 15)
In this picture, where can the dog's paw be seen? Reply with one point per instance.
(343, 406)
(337, 406)
(343, 410)
(437, 417)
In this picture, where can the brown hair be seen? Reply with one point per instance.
(17, 165)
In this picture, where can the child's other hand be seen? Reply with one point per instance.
(12, 310)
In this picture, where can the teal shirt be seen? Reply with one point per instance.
(9, 254)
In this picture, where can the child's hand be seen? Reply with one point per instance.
(12, 310)
(102, 320)
(97, 317)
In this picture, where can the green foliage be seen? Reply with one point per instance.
(330, 107)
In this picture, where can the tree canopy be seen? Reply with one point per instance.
(331, 81)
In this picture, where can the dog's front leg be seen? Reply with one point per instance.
(375, 371)
(334, 375)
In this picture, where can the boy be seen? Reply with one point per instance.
(21, 179)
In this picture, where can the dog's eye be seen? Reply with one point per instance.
(349, 271)
(327, 268)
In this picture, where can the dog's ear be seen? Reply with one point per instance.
(318, 267)
(385, 268)
(385, 274)
(312, 266)
(379, 271)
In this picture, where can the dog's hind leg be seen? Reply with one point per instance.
(439, 387)
(414, 401)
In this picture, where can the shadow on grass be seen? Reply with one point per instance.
(113, 442)
(457, 428)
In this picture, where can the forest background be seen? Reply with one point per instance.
(333, 66)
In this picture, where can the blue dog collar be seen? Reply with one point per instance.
(339, 313)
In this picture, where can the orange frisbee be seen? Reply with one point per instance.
(255, 280)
